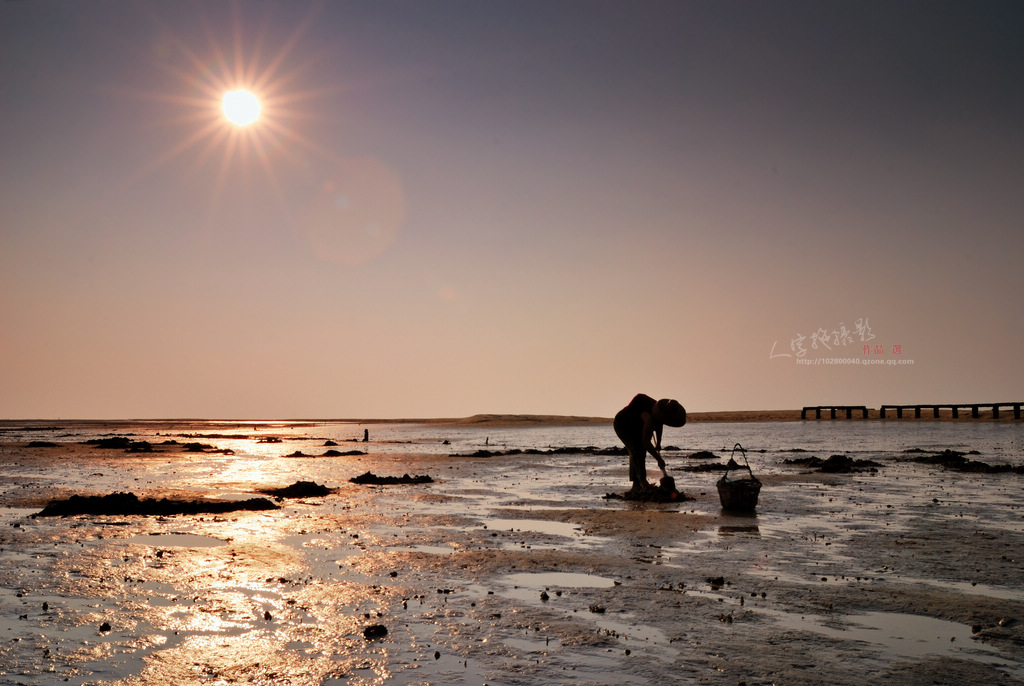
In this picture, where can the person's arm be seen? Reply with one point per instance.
(652, 430)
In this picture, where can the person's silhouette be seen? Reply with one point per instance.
(639, 425)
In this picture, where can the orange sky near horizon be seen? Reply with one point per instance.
(455, 208)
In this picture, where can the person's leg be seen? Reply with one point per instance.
(634, 445)
(637, 464)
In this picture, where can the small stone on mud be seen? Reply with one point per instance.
(544, 596)
(267, 616)
(597, 609)
(437, 655)
(104, 627)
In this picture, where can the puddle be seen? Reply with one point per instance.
(428, 549)
(907, 636)
(1001, 592)
(526, 645)
(539, 525)
(18, 512)
(804, 575)
(529, 585)
(542, 580)
(176, 540)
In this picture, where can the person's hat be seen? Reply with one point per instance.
(670, 412)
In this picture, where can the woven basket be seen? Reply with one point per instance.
(739, 494)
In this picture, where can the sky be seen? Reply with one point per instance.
(450, 208)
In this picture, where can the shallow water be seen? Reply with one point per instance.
(843, 578)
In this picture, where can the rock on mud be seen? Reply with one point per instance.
(375, 631)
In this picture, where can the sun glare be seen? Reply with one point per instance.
(241, 107)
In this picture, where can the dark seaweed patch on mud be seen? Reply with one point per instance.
(835, 464)
(130, 504)
(957, 461)
(299, 489)
(371, 479)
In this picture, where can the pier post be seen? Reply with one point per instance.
(817, 413)
(935, 412)
(849, 413)
(832, 410)
(956, 412)
(881, 412)
(899, 413)
(995, 412)
(974, 411)
(803, 413)
(1016, 411)
(917, 412)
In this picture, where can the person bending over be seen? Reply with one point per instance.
(638, 425)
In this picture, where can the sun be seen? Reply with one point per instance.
(241, 107)
(238, 99)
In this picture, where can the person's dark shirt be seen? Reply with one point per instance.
(630, 418)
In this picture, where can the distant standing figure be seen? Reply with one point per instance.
(638, 425)
(366, 435)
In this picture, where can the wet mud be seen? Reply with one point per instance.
(513, 570)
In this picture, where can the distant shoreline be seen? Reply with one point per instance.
(500, 420)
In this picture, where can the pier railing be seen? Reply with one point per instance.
(849, 409)
(975, 409)
(883, 411)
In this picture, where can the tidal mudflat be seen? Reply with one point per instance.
(509, 569)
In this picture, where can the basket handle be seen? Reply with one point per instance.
(743, 452)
